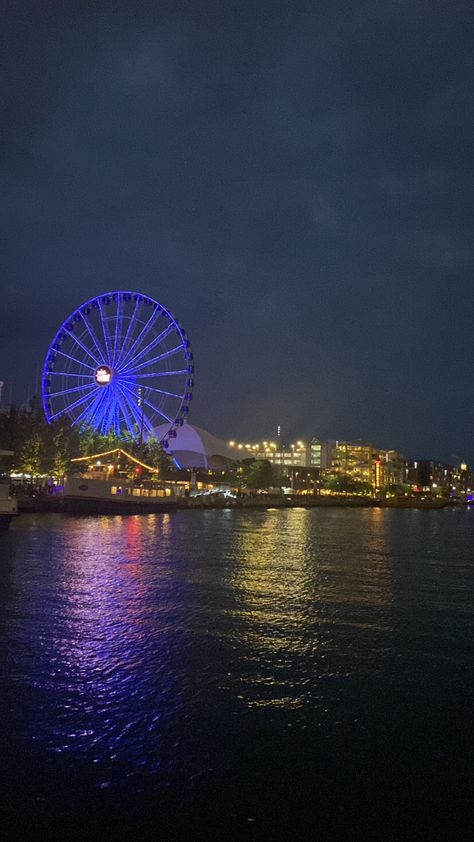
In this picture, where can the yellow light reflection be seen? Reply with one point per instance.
(293, 591)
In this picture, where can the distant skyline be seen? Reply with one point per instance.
(292, 180)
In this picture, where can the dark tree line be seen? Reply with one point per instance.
(42, 448)
(38, 447)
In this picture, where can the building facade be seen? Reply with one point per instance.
(364, 463)
(439, 478)
(313, 453)
(277, 454)
(354, 459)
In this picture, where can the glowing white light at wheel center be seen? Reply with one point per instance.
(103, 375)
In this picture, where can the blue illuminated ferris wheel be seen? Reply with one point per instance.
(120, 363)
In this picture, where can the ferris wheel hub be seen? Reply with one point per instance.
(103, 375)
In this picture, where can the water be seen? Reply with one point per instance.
(286, 674)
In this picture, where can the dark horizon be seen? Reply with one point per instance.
(294, 182)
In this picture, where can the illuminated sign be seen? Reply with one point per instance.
(103, 375)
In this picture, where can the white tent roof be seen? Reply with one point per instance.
(195, 447)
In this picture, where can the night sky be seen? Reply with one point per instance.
(293, 180)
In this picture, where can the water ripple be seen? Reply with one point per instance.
(138, 646)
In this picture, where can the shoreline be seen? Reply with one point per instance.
(50, 505)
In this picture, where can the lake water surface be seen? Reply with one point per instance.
(285, 674)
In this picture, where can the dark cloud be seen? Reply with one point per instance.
(293, 180)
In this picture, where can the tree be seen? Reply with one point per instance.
(399, 488)
(39, 447)
(257, 473)
(151, 452)
(339, 483)
(154, 454)
(64, 440)
(47, 448)
(30, 439)
(91, 441)
(362, 487)
(28, 456)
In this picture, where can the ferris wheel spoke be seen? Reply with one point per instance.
(157, 359)
(81, 345)
(117, 419)
(165, 373)
(123, 349)
(154, 389)
(108, 415)
(89, 411)
(138, 414)
(75, 360)
(118, 322)
(160, 374)
(131, 365)
(145, 401)
(130, 362)
(72, 389)
(147, 325)
(148, 425)
(137, 338)
(72, 406)
(105, 331)
(92, 335)
(124, 409)
(99, 410)
(68, 374)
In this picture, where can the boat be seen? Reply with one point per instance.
(118, 496)
(8, 505)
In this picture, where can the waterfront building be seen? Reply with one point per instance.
(462, 480)
(295, 454)
(390, 469)
(363, 463)
(327, 453)
(439, 478)
(354, 459)
(427, 475)
(282, 456)
(313, 456)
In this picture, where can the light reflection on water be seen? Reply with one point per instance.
(141, 645)
(114, 611)
(292, 585)
(101, 656)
